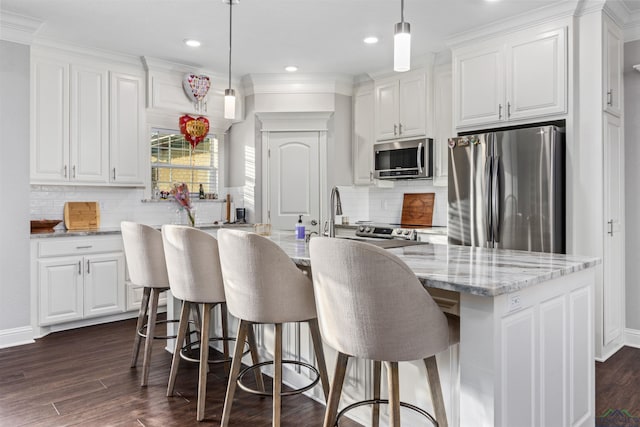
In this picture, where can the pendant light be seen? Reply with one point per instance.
(230, 94)
(402, 44)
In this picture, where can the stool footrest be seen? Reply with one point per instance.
(186, 351)
(386, 402)
(157, 337)
(286, 393)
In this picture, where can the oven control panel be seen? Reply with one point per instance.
(386, 232)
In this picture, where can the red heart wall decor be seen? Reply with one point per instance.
(194, 130)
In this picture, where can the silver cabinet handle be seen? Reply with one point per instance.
(114, 174)
(88, 267)
(65, 171)
(395, 129)
(508, 110)
(499, 111)
(610, 232)
(84, 247)
(370, 176)
(73, 169)
(79, 268)
(400, 128)
(610, 97)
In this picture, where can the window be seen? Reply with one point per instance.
(173, 161)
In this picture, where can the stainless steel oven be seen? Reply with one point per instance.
(403, 159)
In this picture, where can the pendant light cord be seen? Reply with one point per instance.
(401, 10)
(230, 23)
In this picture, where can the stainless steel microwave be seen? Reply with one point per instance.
(403, 159)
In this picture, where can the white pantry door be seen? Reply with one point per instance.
(294, 179)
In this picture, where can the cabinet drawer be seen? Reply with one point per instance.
(85, 245)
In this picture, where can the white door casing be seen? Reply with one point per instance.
(293, 173)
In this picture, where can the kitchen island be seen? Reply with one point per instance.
(526, 352)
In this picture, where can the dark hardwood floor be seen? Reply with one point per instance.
(82, 377)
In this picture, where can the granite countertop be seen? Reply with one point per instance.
(477, 271)
(116, 230)
(425, 230)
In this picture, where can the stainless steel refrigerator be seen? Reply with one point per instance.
(507, 189)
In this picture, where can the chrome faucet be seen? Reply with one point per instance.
(335, 200)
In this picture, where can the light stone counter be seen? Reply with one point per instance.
(105, 231)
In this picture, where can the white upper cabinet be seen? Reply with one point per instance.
(128, 143)
(443, 122)
(400, 107)
(363, 139)
(612, 72)
(513, 78)
(87, 121)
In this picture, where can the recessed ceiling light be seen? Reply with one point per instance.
(291, 68)
(192, 43)
(371, 40)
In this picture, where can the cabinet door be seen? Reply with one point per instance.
(613, 259)
(363, 137)
(103, 284)
(536, 75)
(443, 113)
(386, 110)
(412, 110)
(49, 121)
(479, 87)
(127, 133)
(612, 72)
(89, 135)
(61, 293)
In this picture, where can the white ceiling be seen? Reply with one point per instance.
(316, 35)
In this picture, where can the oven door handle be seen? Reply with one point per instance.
(419, 157)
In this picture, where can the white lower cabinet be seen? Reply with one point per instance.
(77, 279)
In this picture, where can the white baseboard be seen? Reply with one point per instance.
(16, 336)
(632, 337)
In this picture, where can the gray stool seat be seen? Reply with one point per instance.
(371, 306)
(263, 286)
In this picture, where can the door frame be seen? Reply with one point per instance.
(317, 122)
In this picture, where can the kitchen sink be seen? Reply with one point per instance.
(386, 243)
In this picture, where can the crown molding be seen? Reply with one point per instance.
(157, 64)
(46, 45)
(307, 121)
(341, 84)
(561, 10)
(18, 28)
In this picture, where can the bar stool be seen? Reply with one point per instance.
(193, 266)
(145, 260)
(264, 286)
(371, 306)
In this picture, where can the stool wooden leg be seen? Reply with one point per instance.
(377, 376)
(255, 358)
(204, 360)
(182, 331)
(277, 376)
(243, 328)
(394, 394)
(151, 332)
(331, 412)
(225, 337)
(322, 364)
(436, 391)
(142, 314)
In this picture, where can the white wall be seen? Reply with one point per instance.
(14, 181)
(632, 178)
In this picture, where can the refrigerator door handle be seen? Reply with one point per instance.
(487, 199)
(495, 194)
(419, 159)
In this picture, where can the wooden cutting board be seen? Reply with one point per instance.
(81, 215)
(417, 209)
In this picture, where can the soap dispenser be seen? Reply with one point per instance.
(300, 229)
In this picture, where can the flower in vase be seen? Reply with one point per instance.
(180, 193)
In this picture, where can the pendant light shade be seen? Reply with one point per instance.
(402, 44)
(230, 94)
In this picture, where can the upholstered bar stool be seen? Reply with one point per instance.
(194, 272)
(371, 306)
(263, 286)
(145, 261)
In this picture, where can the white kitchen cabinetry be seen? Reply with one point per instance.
(400, 107)
(443, 122)
(363, 139)
(514, 78)
(612, 64)
(127, 129)
(86, 122)
(78, 278)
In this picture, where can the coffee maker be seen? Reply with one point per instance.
(241, 215)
